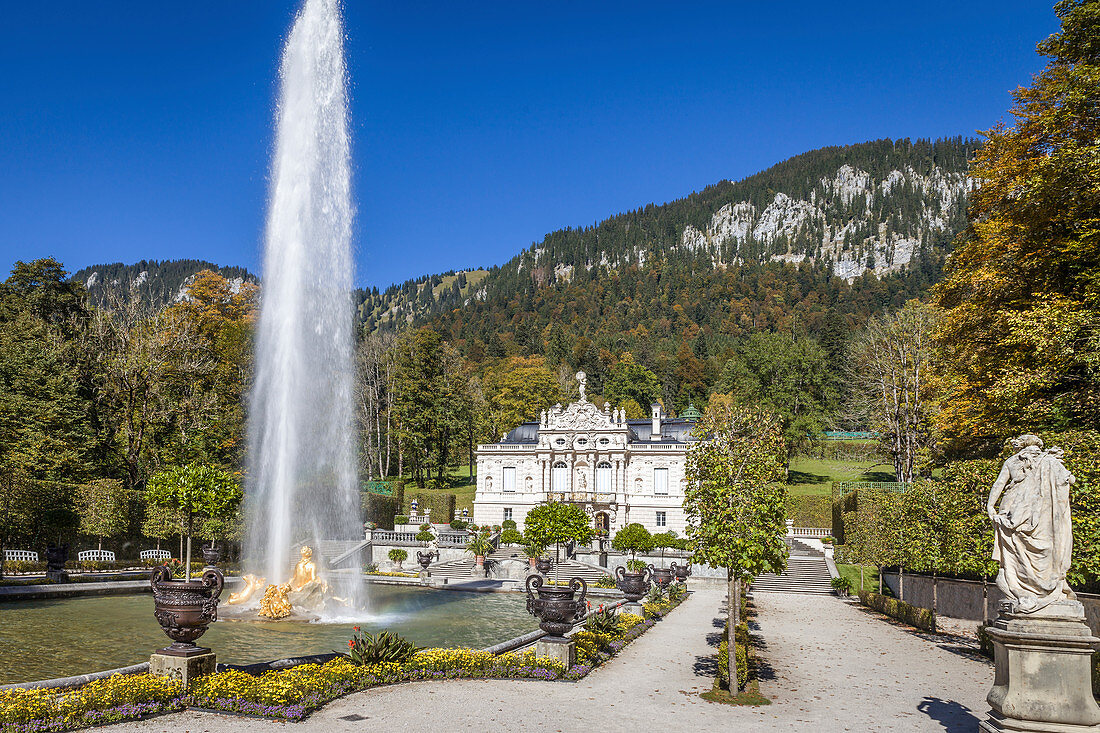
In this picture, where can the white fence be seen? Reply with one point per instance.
(812, 533)
(20, 556)
(155, 555)
(96, 556)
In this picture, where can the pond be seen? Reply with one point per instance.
(58, 638)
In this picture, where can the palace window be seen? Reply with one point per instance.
(661, 518)
(582, 441)
(509, 482)
(603, 477)
(660, 481)
(605, 441)
(507, 513)
(559, 441)
(559, 477)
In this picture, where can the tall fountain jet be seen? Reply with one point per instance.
(301, 484)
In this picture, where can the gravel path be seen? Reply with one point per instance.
(829, 667)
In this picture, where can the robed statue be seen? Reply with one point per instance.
(1033, 537)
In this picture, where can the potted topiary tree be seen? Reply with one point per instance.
(633, 580)
(533, 552)
(479, 546)
(557, 522)
(184, 608)
(398, 556)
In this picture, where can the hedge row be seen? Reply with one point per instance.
(380, 509)
(442, 506)
(810, 511)
(921, 618)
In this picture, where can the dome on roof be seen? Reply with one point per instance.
(691, 413)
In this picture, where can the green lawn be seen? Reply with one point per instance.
(462, 486)
(815, 476)
(870, 577)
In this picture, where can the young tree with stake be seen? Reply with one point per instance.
(734, 502)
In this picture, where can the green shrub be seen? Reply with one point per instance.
(604, 581)
(425, 527)
(458, 525)
(424, 536)
(636, 566)
(398, 555)
(740, 658)
(401, 519)
(921, 618)
(380, 648)
(603, 621)
(440, 506)
(508, 524)
(511, 536)
(842, 585)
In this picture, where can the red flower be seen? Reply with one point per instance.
(356, 628)
(351, 643)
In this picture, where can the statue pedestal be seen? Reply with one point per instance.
(632, 607)
(183, 668)
(564, 650)
(57, 576)
(1043, 680)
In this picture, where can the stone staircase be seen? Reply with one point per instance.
(806, 573)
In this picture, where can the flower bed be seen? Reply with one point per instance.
(291, 694)
(110, 700)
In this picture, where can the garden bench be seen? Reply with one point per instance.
(155, 555)
(20, 556)
(96, 556)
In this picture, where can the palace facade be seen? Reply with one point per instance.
(619, 471)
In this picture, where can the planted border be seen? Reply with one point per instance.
(921, 618)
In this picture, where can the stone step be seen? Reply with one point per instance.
(808, 575)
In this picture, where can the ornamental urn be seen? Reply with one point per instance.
(681, 571)
(184, 608)
(425, 559)
(543, 564)
(633, 585)
(555, 606)
(661, 576)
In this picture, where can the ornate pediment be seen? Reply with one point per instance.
(582, 415)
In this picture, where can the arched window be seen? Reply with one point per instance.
(559, 476)
(603, 477)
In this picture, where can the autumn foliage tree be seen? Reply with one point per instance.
(1022, 291)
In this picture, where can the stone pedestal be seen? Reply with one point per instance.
(183, 668)
(564, 650)
(57, 576)
(1043, 680)
(424, 577)
(634, 608)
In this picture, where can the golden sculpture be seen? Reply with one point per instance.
(304, 591)
(305, 572)
(252, 583)
(274, 604)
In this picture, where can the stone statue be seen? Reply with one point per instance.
(55, 563)
(1033, 539)
(582, 379)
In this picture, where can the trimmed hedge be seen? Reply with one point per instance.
(742, 660)
(921, 618)
(442, 506)
(810, 511)
(380, 508)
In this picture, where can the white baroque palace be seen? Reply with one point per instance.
(620, 471)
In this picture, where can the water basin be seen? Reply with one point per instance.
(58, 638)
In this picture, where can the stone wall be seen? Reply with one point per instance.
(964, 598)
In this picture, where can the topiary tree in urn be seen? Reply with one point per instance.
(194, 491)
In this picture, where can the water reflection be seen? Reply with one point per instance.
(44, 639)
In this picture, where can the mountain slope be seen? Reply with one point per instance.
(885, 208)
(157, 282)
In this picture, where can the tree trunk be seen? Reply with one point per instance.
(733, 603)
(880, 581)
(861, 577)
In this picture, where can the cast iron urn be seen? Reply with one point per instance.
(681, 571)
(184, 608)
(554, 605)
(425, 559)
(661, 576)
(543, 564)
(633, 585)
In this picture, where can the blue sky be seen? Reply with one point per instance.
(142, 130)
